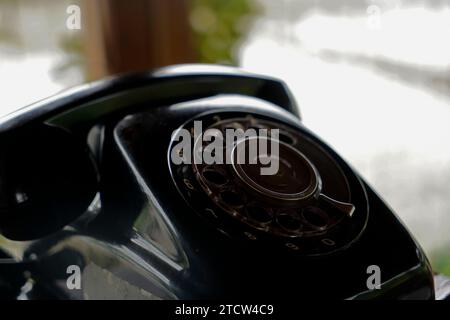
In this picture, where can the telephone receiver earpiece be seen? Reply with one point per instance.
(47, 175)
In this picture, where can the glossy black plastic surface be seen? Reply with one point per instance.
(140, 239)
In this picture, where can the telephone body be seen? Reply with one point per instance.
(88, 190)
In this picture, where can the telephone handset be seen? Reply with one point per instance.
(89, 178)
(43, 158)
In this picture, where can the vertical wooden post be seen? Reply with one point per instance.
(135, 35)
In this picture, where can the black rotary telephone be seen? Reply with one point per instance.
(92, 205)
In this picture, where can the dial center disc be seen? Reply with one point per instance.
(281, 174)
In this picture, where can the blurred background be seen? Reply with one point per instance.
(371, 77)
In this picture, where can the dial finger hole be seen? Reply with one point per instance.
(214, 176)
(232, 198)
(289, 221)
(260, 215)
(316, 217)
